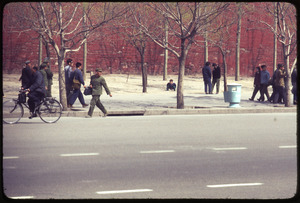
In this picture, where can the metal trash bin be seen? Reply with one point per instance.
(233, 95)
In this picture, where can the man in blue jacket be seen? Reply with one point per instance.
(36, 91)
(77, 92)
(264, 82)
(206, 71)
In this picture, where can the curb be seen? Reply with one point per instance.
(149, 112)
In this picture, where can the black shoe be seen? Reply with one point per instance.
(32, 115)
(250, 99)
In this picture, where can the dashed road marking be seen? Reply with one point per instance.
(10, 157)
(157, 151)
(229, 148)
(80, 154)
(123, 191)
(22, 197)
(286, 147)
(234, 185)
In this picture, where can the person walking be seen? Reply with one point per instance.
(43, 68)
(280, 85)
(49, 76)
(206, 71)
(264, 82)
(76, 87)
(68, 79)
(97, 81)
(256, 83)
(26, 76)
(216, 78)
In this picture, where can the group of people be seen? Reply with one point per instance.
(262, 80)
(73, 81)
(216, 74)
(37, 82)
(209, 83)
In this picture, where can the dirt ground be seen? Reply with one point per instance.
(124, 84)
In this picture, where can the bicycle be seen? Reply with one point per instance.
(49, 109)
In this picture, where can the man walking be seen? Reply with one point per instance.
(264, 82)
(49, 76)
(26, 76)
(68, 79)
(216, 77)
(97, 81)
(206, 71)
(279, 84)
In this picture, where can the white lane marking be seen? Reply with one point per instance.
(286, 147)
(234, 185)
(230, 148)
(81, 154)
(10, 157)
(123, 191)
(156, 151)
(22, 197)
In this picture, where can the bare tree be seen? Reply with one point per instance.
(185, 21)
(221, 38)
(133, 34)
(286, 32)
(60, 25)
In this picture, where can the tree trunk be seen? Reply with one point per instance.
(275, 39)
(288, 75)
(144, 72)
(238, 42)
(165, 73)
(61, 80)
(182, 59)
(225, 69)
(40, 49)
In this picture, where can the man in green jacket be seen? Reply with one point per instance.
(97, 81)
(49, 76)
(43, 68)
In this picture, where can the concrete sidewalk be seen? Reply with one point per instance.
(165, 104)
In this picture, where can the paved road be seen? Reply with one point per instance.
(195, 156)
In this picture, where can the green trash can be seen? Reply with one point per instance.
(233, 95)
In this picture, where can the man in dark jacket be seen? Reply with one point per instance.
(256, 83)
(216, 77)
(206, 71)
(26, 76)
(36, 91)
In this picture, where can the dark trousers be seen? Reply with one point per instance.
(207, 83)
(256, 89)
(263, 92)
(34, 99)
(68, 92)
(216, 81)
(96, 101)
(76, 94)
(280, 94)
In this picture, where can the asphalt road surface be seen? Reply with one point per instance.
(247, 156)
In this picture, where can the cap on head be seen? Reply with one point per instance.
(27, 62)
(98, 70)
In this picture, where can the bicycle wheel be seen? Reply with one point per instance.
(50, 111)
(12, 111)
